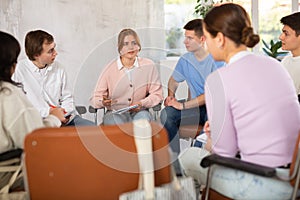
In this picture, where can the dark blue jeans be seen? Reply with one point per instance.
(172, 119)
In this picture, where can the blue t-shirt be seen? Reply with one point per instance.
(194, 72)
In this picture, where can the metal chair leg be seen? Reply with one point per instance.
(296, 186)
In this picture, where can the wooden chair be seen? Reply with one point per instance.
(260, 170)
(89, 162)
(189, 131)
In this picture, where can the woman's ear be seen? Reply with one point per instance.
(12, 69)
(220, 39)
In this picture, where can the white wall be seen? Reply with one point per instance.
(85, 32)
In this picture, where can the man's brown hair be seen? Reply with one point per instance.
(34, 41)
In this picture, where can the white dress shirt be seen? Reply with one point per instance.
(45, 87)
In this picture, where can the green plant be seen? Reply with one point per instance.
(273, 49)
(173, 36)
(203, 6)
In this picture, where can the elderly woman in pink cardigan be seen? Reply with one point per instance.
(128, 81)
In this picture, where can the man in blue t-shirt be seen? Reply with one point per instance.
(192, 67)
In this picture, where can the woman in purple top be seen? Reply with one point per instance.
(252, 110)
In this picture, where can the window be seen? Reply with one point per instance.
(265, 14)
(177, 14)
(270, 12)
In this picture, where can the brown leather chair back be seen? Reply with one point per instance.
(89, 162)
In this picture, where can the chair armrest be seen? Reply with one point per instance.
(235, 163)
(95, 110)
(15, 153)
(92, 109)
(157, 107)
(81, 109)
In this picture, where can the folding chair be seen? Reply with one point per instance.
(260, 170)
(89, 162)
(10, 161)
(82, 110)
(9, 158)
(155, 110)
(95, 112)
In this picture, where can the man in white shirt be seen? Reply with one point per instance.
(290, 38)
(44, 80)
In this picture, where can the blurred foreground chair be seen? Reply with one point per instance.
(235, 163)
(89, 162)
